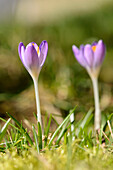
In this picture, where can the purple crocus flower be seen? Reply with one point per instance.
(33, 57)
(90, 56)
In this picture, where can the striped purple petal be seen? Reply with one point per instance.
(89, 55)
(79, 55)
(43, 49)
(99, 53)
(31, 57)
(21, 50)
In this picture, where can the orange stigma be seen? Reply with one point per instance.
(94, 48)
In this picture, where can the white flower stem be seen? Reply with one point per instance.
(72, 120)
(72, 126)
(37, 101)
(97, 106)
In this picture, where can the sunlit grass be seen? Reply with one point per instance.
(19, 149)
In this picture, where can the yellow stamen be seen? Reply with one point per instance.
(94, 48)
(37, 48)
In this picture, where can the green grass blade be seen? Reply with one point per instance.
(55, 121)
(22, 129)
(86, 118)
(34, 114)
(48, 126)
(6, 143)
(64, 129)
(4, 129)
(45, 122)
(65, 138)
(35, 139)
(110, 116)
(18, 141)
(39, 135)
(10, 124)
(85, 121)
(60, 126)
(47, 130)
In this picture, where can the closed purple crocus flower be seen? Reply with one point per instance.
(90, 56)
(33, 57)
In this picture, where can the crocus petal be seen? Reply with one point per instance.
(21, 50)
(75, 50)
(43, 48)
(31, 57)
(89, 55)
(79, 55)
(35, 45)
(99, 53)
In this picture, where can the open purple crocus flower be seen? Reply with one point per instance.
(91, 58)
(33, 58)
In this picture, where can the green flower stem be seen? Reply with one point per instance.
(37, 101)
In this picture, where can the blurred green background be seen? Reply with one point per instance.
(63, 83)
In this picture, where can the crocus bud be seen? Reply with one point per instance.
(33, 57)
